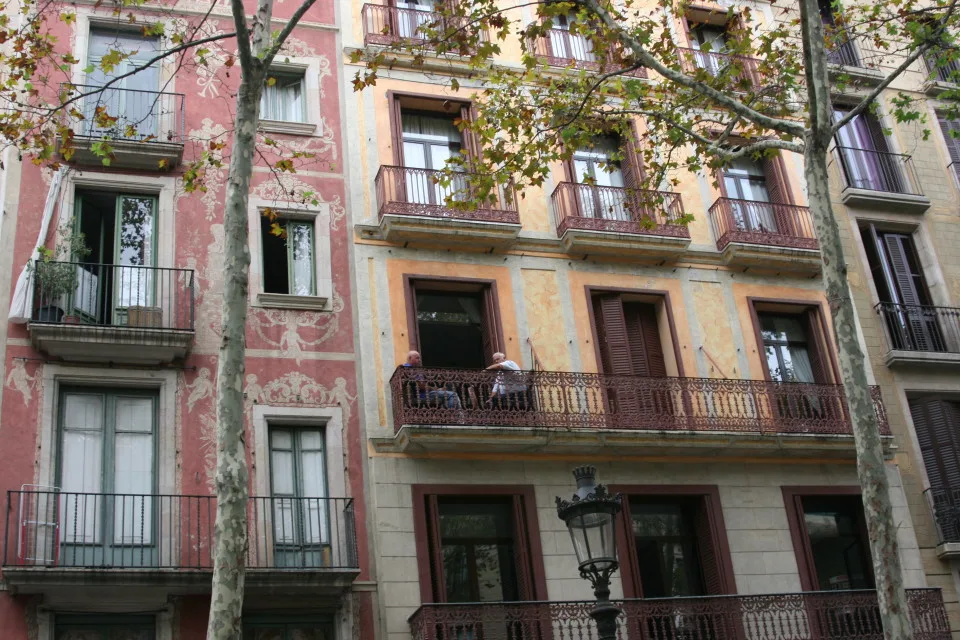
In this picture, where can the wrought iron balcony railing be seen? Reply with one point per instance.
(878, 171)
(112, 295)
(560, 48)
(921, 328)
(945, 505)
(844, 53)
(943, 71)
(58, 529)
(764, 223)
(743, 71)
(537, 399)
(835, 615)
(408, 191)
(596, 208)
(388, 25)
(125, 114)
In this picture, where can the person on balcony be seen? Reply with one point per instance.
(429, 392)
(508, 390)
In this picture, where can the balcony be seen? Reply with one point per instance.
(846, 615)
(941, 77)
(765, 234)
(144, 129)
(880, 180)
(944, 505)
(921, 335)
(843, 59)
(112, 313)
(412, 206)
(583, 412)
(742, 71)
(560, 48)
(592, 219)
(388, 25)
(54, 539)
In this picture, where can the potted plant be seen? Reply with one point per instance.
(55, 277)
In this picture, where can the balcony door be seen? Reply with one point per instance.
(569, 46)
(600, 191)
(865, 154)
(412, 14)
(429, 140)
(119, 273)
(133, 100)
(710, 42)
(301, 524)
(107, 478)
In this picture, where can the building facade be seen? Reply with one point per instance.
(693, 366)
(110, 358)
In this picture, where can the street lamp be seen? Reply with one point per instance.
(590, 516)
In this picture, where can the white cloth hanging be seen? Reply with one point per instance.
(22, 302)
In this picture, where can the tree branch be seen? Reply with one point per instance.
(714, 145)
(243, 34)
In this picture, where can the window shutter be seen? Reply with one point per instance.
(776, 187)
(471, 146)
(632, 168)
(875, 129)
(897, 253)
(398, 134)
(646, 317)
(521, 545)
(613, 336)
(715, 580)
(489, 333)
(436, 550)
(640, 363)
(953, 144)
(817, 347)
(936, 422)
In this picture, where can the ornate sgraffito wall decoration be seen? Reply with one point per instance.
(290, 341)
(21, 381)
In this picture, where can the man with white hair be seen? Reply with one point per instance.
(508, 390)
(429, 391)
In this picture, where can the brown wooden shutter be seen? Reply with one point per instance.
(937, 423)
(397, 132)
(632, 168)
(816, 347)
(613, 337)
(643, 334)
(953, 144)
(521, 547)
(436, 550)
(489, 327)
(471, 146)
(715, 581)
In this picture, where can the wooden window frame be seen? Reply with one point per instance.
(627, 550)
(461, 108)
(422, 526)
(801, 547)
(664, 295)
(821, 340)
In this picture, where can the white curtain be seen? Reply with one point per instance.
(22, 302)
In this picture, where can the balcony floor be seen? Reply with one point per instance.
(897, 358)
(399, 227)
(95, 343)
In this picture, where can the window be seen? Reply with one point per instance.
(429, 140)
(787, 347)
(564, 45)
(298, 489)
(675, 544)
(628, 335)
(841, 50)
(601, 194)
(482, 546)
(865, 154)
(289, 264)
(751, 184)
(830, 537)
(112, 627)
(936, 420)
(108, 445)
(412, 14)
(284, 99)
(286, 627)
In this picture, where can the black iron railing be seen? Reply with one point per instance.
(125, 114)
(764, 223)
(557, 399)
(945, 506)
(912, 327)
(596, 208)
(943, 70)
(834, 615)
(843, 52)
(111, 295)
(59, 529)
(878, 171)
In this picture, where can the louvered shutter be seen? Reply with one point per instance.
(521, 549)
(436, 550)
(895, 245)
(640, 365)
(937, 422)
(922, 330)
(711, 566)
(953, 144)
(885, 165)
(632, 169)
(816, 348)
(778, 191)
(614, 336)
(489, 333)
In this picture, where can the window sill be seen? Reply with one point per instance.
(288, 301)
(289, 128)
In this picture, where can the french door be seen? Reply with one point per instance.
(429, 140)
(413, 14)
(602, 194)
(107, 477)
(132, 104)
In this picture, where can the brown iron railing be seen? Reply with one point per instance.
(423, 396)
(912, 327)
(128, 114)
(388, 25)
(113, 295)
(945, 506)
(834, 615)
(560, 48)
(596, 208)
(742, 70)
(878, 171)
(416, 192)
(59, 529)
(766, 223)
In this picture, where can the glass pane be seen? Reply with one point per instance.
(134, 414)
(283, 528)
(83, 411)
(654, 520)
(782, 328)
(132, 519)
(489, 572)
(837, 543)
(312, 482)
(135, 252)
(282, 470)
(300, 241)
(666, 548)
(281, 439)
(476, 520)
(456, 574)
(264, 633)
(773, 363)
(311, 439)
(313, 632)
(81, 473)
(314, 513)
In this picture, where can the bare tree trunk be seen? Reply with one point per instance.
(875, 489)
(230, 539)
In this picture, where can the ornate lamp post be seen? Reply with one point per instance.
(590, 516)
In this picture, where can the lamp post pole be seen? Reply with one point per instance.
(590, 517)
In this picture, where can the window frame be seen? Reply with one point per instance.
(820, 339)
(287, 223)
(309, 68)
(278, 97)
(626, 549)
(426, 103)
(422, 525)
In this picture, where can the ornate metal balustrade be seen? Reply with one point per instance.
(125, 114)
(537, 399)
(835, 615)
(911, 327)
(743, 70)
(417, 192)
(764, 223)
(560, 48)
(596, 208)
(882, 171)
(58, 529)
(388, 25)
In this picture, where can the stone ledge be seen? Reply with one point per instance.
(121, 345)
(288, 301)
(587, 241)
(900, 358)
(884, 200)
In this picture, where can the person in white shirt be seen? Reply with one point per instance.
(508, 390)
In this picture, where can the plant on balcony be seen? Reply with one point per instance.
(55, 275)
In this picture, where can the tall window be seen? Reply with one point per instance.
(602, 195)
(751, 184)
(284, 98)
(457, 323)
(108, 443)
(865, 154)
(841, 51)
(412, 14)
(429, 140)
(301, 533)
(569, 46)
(132, 99)
(629, 336)
(788, 350)
(709, 40)
(289, 264)
(951, 137)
